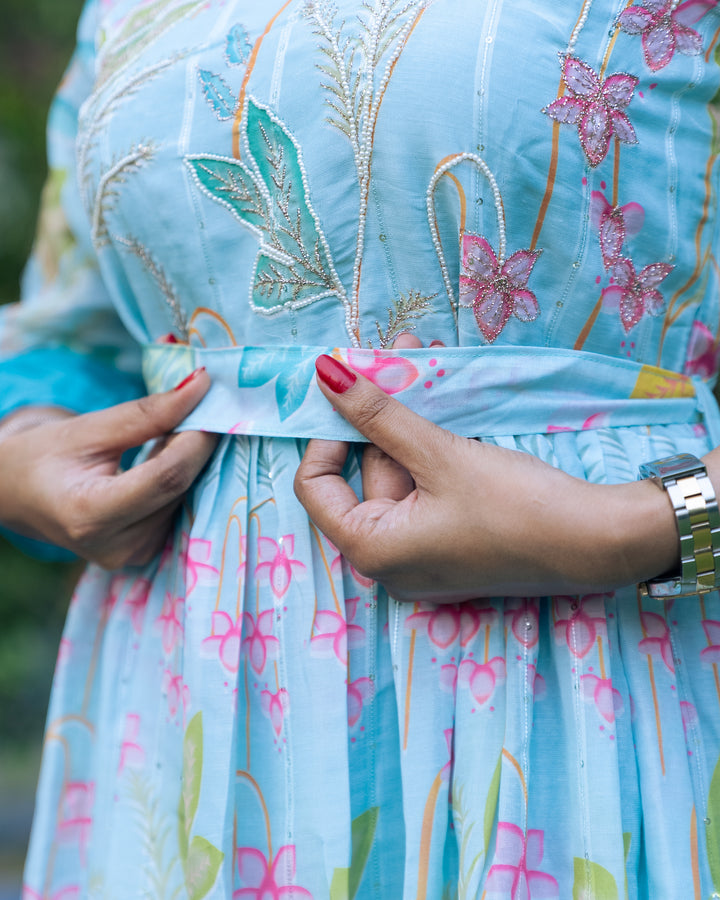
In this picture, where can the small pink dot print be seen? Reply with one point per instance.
(653, 85)
(226, 684)
(674, 621)
(690, 753)
(612, 737)
(573, 670)
(433, 362)
(641, 95)
(428, 384)
(352, 740)
(598, 279)
(672, 687)
(590, 668)
(603, 185)
(492, 709)
(255, 685)
(584, 180)
(440, 373)
(602, 728)
(362, 728)
(434, 659)
(472, 710)
(518, 657)
(452, 659)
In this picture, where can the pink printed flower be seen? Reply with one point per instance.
(664, 29)
(689, 715)
(391, 374)
(536, 682)
(359, 692)
(333, 635)
(711, 653)
(169, 622)
(76, 814)
(635, 294)
(445, 623)
(195, 554)
(225, 639)
(339, 561)
(703, 354)
(261, 879)
(274, 706)
(136, 602)
(259, 641)
(66, 893)
(481, 678)
(614, 225)
(449, 678)
(64, 652)
(524, 620)
(606, 698)
(276, 561)
(496, 289)
(578, 622)
(657, 640)
(596, 107)
(516, 874)
(132, 754)
(177, 692)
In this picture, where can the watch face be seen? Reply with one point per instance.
(673, 467)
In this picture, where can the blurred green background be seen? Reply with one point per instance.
(36, 40)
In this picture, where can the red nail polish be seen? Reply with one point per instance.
(436, 343)
(168, 339)
(334, 374)
(189, 378)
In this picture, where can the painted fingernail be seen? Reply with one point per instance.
(334, 374)
(189, 378)
(436, 343)
(168, 338)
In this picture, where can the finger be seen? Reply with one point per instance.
(406, 341)
(138, 544)
(133, 423)
(320, 486)
(412, 441)
(383, 477)
(133, 495)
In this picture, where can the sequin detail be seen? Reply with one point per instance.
(665, 28)
(635, 293)
(596, 107)
(614, 224)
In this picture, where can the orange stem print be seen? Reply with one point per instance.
(248, 777)
(651, 673)
(516, 765)
(601, 655)
(588, 326)
(426, 837)
(694, 855)
(248, 72)
(408, 689)
(204, 311)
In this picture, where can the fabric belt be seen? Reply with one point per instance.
(473, 391)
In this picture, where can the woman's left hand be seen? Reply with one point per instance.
(448, 519)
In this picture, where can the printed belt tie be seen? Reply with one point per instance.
(473, 391)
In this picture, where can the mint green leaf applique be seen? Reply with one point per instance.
(201, 868)
(346, 882)
(712, 821)
(218, 94)
(191, 779)
(593, 882)
(231, 184)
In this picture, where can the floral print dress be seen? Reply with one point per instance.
(246, 184)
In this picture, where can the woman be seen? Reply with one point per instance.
(236, 709)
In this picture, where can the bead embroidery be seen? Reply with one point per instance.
(635, 293)
(614, 225)
(596, 107)
(664, 26)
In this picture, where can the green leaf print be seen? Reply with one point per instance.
(202, 867)
(191, 779)
(593, 882)
(491, 803)
(712, 820)
(346, 882)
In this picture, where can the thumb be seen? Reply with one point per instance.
(412, 441)
(131, 424)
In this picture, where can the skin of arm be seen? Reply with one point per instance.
(448, 519)
(60, 479)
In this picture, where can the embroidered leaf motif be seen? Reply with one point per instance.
(292, 384)
(191, 778)
(402, 317)
(711, 839)
(593, 882)
(233, 185)
(218, 94)
(202, 867)
(237, 46)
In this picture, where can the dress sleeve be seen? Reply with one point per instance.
(64, 344)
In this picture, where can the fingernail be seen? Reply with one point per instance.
(334, 374)
(436, 343)
(168, 339)
(189, 378)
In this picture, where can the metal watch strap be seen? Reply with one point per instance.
(692, 495)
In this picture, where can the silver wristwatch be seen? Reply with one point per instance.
(698, 520)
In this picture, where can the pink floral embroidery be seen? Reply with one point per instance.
(711, 653)
(635, 294)
(596, 107)
(481, 678)
(524, 620)
(391, 374)
(333, 635)
(132, 754)
(169, 622)
(578, 622)
(446, 623)
(177, 692)
(496, 289)
(262, 880)
(359, 692)
(194, 556)
(259, 642)
(703, 352)
(277, 563)
(664, 29)
(274, 706)
(516, 874)
(225, 639)
(606, 698)
(614, 224)
(76, 814)
(657, 643)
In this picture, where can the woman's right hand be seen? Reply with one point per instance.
(60, 480)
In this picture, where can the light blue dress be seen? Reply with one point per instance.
(533, 183)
